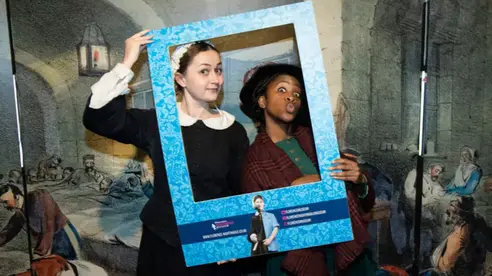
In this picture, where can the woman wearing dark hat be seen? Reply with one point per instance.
(283, 154)
(215, 145)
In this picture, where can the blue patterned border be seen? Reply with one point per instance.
(289, 239)
(187, 211)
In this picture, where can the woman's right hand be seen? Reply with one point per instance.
(134, 45)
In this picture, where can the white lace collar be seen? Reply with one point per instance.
(222, 122)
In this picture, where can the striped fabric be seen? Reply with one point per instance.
(268, 167)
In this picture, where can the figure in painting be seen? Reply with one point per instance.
(15, 177)
(54, 265)
(67, 171)
(431, 186)
(50, 169)
(53, 232)
(467, 175)
(403, 208)
(341, 118)
(134, 182)
(463, 251)
(105, 184)
(487, 186)
(32, 176)
(87, 174)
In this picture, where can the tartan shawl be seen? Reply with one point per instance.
(269, 167)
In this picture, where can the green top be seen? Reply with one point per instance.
(292, 148)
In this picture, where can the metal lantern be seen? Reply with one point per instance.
(93, 52)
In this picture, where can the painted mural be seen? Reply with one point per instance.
(381, 103)
(87, 191)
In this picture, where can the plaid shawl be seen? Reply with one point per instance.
(268, 167)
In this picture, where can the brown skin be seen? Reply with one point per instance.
(488, 186)
(457, 241)
(281, 105)
(281, 92)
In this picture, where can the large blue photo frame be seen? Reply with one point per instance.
(308, 215)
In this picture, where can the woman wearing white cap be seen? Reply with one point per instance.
(215, 145)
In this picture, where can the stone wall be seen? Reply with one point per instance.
(380, 79)
(371, 52)
(462, 92)
(8, 139)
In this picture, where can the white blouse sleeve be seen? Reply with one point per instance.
(111, 85)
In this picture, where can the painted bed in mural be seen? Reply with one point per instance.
(103, 209)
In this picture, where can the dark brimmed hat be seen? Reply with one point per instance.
(88, 157)
(257, 79)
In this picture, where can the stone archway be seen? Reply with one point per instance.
(39, 122)
(55, 61)
(61, 94)
(141, 13)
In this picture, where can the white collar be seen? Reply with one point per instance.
(222, 122)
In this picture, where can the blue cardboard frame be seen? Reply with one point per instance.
(216, 230)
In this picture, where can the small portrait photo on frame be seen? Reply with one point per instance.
(264, 229)
(237, 189)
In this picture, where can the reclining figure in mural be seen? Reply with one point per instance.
(467, 175)
(87, 174)
(53, 232)
(134, 182)
(431, 186)
(50, 169)
(463, 251)
(402, 219)
(57, 242)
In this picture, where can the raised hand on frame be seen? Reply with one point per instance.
(134, 46)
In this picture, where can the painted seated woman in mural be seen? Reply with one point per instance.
(283, 154)
(467, 175)
(215, 145)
